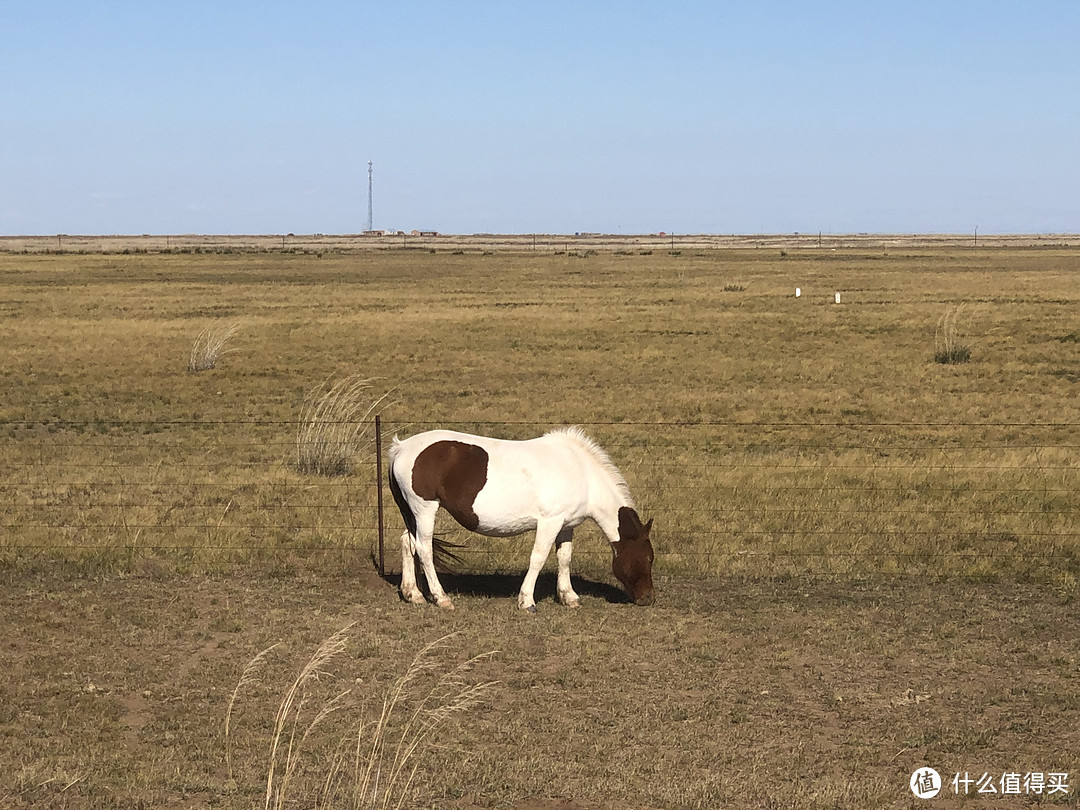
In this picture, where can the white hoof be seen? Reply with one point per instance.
(445, 603)
(414, 597)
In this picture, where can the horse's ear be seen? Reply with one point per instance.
(629, 523)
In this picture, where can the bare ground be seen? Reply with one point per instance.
(776, 693)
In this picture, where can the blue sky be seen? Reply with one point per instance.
(549, 117)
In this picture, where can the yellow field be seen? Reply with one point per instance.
(867, 561)
(767, 434)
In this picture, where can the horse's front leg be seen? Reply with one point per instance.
(546, 532)
(563, 546)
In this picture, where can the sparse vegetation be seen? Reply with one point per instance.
(248, 678)
(831, 691)
(810, 458)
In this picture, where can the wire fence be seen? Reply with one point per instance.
(855, 499)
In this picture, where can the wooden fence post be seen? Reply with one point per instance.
(378, 490)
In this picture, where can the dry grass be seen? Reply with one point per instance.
(767, 435)
(385, 759)
(881, 528)
(334, 424)
(949, 346)
(490, 244)
(360, 762)
(289, 717)
(249, 677)
(789, 692)
(209, 346)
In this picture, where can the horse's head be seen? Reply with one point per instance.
(632, 564)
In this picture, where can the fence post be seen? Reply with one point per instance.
(378, 490)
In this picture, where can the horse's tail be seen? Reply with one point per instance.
(395, 489)
(447, 559)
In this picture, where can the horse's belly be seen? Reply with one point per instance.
(502, 524)
(505, 527)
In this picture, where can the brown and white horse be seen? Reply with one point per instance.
(502, 488)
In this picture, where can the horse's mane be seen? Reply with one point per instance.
(578, 436)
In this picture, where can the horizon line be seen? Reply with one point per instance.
(432, 233)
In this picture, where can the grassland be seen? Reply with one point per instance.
(866, 559)
(767, 434)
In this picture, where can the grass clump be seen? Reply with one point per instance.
(209, 346)
(332, 426)
(949, 347)
(358, 761)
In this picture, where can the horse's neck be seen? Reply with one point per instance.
(608, 497)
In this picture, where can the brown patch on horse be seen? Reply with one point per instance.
(452, 473)
(633, 561)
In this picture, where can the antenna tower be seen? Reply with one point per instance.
(369, 220)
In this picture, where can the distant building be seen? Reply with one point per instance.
(424, 233)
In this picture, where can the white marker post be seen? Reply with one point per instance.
(838, 298)
(798, 291)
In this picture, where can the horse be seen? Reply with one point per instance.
(502, 488)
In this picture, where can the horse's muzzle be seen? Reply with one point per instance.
(644, 600)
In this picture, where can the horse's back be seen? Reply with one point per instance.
(537, 478)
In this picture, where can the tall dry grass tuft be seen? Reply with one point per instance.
(332, 425)
(374, 763)
(289, 714)
(383, 764)
(948, 346)
(209, 346)
(249, 677)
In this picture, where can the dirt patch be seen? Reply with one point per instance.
(135, 714)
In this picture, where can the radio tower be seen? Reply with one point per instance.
(369, 220)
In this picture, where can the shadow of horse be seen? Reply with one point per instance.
(506, 586)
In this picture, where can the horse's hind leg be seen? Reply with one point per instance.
(410, 591)
(427, 562)
(425, 531)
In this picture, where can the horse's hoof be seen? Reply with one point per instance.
(530, 609)
(414, 598)
(445, 604)
(574, 603)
